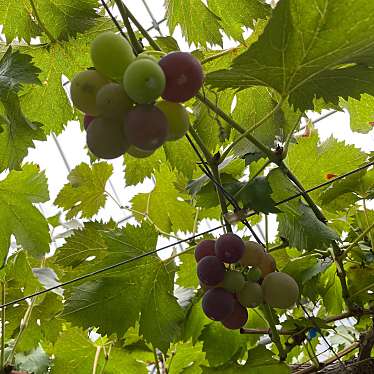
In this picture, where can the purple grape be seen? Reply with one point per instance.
(184, 76)
(204, 248)
(210, 270)
(218, 304)
(237, 318)
(229, 248)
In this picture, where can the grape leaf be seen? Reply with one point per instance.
(66, 18)
(221, 344)
(360, 280)
(136, 170)
(298, 223)
(330, 289)
(18, 216)
(260, 360)
(163, 204)
(234, 15)
(18, 134)
(307, 52)
(188, 356)
(311, 162)
(361, 113)
(194, 322)
(85, 192)
(143, 287)
(49, 103)
(252, 106)
(198, 23)
(74, 351)
(181, 156)
(16, 18)
(187, 276)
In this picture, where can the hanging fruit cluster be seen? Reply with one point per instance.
(237, 275)
(119, 97)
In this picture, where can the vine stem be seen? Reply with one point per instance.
(40, 22)
(140, 27)
(274, 332)
(126, 20)
(24, 323)
(250, 130)
(156, 361)
(96, 360)
(367, 222)
(2, 356)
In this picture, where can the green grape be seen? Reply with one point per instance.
(233, 281)
(138, 153)
(253, 254)
(147, 56)
(83, 90)
(112, 101)
(280, 290)
(105, 138)
(254, 274)
(144, 81)
(177, 117)
(111, 54)
(250, 295)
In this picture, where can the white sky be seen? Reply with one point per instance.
(72, 140)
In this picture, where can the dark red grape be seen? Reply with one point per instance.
(237, 318)
(146, 127)
(210, 270)
(87, 120)
(204, 248)
(184, 76)
(229, 248)
(218, 304)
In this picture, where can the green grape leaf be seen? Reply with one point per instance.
(16, 18)
(234, 15)
(48, 278)
(361, 113)
(252, 106)
(312, 161)
(16, 69)
(74, 351)
(260, 360)
(306, 52)
(49, 103)
(85, 192)
(221, 344)
(18, 216)
(187, 276)
(330, 289)
(136, 170)
(181, 156)
(360, 280)
(198, 23)
(256, 195)
(18, 134)
(66, 18)
(167, 43)
(194, 322)
(208, 126)
(298, 223)
(142, 287)
(163, 206)
(188, 356)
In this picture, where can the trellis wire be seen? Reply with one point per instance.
(121, 263)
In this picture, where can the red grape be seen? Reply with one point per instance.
(237, 318)
(87, 120)
(146, 127)
(210, 270)
(184, 76)
(204, 248)
(229, 248)
(218, 304)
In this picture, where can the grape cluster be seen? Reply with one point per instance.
(121, 97)
(236, 275)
